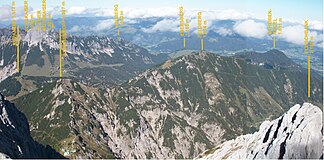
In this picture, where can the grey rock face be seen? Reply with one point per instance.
(295, 135)
(1, 97)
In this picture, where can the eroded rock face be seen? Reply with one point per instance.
(1, 98)
(15, 139)
(295, 135)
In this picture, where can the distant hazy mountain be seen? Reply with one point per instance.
(94, 60)
(270, 59)
(221, 38)
(297, 134)
(157, 38)
(15, 139)
(146, 32)
(198, 100)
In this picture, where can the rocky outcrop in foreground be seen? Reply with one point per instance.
(295, 135)
(15, 139)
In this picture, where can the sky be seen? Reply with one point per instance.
(288, 9)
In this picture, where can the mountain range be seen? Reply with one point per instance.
(119, 100)
(107, 61)
(197, 100)
(161, 35)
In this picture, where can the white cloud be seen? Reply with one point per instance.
(224, 31)
(295, 34)
(100, 26)
(173, 25)
(163, 25)
(130, 13)
(139, 12)
(76, 10)
(152, 12)
(75, 29)
(250, 28)
(229, 14)
(312, 24)
(164, 12)
(105, 24)
(316, 25)
(318, 38)
(5, 12)
(131, 21)
(194, 25)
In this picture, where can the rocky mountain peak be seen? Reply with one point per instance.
(297, 134)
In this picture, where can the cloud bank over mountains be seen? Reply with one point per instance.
(250, 28)
(245, 25)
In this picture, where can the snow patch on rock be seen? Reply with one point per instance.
(7, 71)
